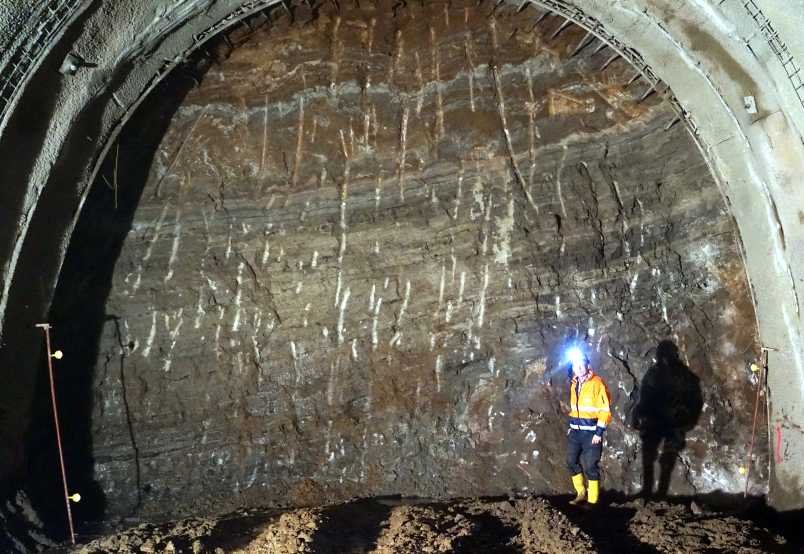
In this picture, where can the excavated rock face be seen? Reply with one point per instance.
(364, 242)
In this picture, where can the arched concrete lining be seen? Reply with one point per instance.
(710, 55)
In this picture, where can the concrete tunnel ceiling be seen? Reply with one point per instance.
(753, 158)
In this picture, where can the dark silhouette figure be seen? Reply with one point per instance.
(669, 406)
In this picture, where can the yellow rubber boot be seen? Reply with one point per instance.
(594, 490)
(577, 482)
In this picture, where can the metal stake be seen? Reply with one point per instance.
(46, 328)
(762, 371)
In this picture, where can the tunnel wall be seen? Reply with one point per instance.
(335, 284)
(700, 72)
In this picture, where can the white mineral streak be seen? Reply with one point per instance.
(661, 296)
(239, 363)
(229, 244)
(479, 205)
(632, 286)
(371, 296)
(403, 152)
(338, 288)
(174, 335)
(470, 70)
(461, 288)
(505, 228)
(343, 223)
(492, 364)
(405, 301)
(221, 311)
(174, 251)
(436, 65)
(623, 221)
(378, 192)
(299, 143)
(127, 341)
(448, 311)
(314, 262)
(149, 249)
(366, 120)
(481, 312)
(558, 306)
(331, 385)
(149, 342)
(264, 137)
(336, 47)
(293, 351)
(266, 251)
(374, 324)
(533, 130)
(155, 237)
(641, 224)
(354, 350)
(439, 366)
(199, 309)
(457, 202)
(238, 297)
(342, 314)
(330, 453)
(441, 287)
(254, 342)
(558, 182)
(484, 247)
(420, 79)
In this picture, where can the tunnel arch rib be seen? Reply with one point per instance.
(712, 55)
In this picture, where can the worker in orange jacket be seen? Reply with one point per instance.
(589, 415)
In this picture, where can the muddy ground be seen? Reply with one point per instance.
(531, 525)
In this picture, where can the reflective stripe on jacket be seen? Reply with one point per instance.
(590, 405)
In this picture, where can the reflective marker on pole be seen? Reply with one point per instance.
(58, 355)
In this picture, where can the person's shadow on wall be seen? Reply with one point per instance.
(670, 403)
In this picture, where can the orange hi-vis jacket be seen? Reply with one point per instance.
(590, 405)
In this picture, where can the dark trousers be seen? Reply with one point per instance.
(580, 448)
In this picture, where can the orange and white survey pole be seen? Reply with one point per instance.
(58, 355)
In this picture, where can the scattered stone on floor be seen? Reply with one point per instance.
(533, 525)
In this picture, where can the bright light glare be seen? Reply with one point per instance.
(575, 356)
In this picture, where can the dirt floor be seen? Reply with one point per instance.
(531, 525)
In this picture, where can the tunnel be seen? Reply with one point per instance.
(313, 268)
